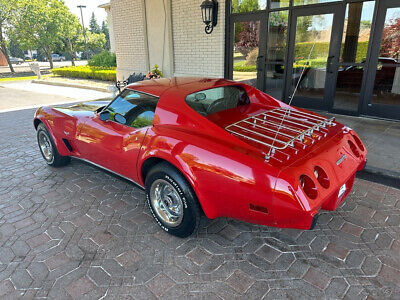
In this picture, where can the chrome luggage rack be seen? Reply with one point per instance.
(282, 128)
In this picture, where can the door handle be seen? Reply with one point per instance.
(329, 64)
(260, 62)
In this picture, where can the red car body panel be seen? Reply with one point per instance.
(229, 175)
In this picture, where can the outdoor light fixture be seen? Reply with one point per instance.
(209, 12)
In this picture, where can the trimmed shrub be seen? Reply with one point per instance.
(241, 67)
(251, 58)
(321, 49)
(87, 72)
(103, 59)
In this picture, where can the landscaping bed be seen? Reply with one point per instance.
(88, 72)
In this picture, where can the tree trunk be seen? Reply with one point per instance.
(4, 50)
(48, 54)
(71, 53)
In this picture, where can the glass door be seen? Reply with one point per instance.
(246, 59)
(314, 48)
(383, 88)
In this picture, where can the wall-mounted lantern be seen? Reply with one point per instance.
(209, 13)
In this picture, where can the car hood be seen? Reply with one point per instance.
(88, 106)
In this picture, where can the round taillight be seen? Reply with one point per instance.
(353, 148)
(308, 186)
(358, 142)
(321, 176)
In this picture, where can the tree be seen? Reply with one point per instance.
(39, 23)
(93, 26)
(94, 42)
(70, 31)
(105, 31)
(248, 37)
(240, 6)
(390, 45)
(15, 50)
(7, 10)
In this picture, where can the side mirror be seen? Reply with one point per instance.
(104, 115)
(120, 119)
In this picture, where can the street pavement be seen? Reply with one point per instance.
(24, 94)
(78, 232)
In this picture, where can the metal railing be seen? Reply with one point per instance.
(282, 128)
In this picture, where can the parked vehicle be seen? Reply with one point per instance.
(351, 77)
(57, 57)
(16, 60)
(209, 145)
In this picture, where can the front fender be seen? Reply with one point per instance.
(48, 119)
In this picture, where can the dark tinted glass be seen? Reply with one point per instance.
(210, 101)
(137, 108)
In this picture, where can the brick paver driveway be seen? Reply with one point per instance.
(79, 232)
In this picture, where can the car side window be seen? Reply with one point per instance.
(214, 100)
(137, 108)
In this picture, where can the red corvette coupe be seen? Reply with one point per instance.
(210, 145)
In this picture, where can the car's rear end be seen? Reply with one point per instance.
(318, 159)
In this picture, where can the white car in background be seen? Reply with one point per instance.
(16, 60)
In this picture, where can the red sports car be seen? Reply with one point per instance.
(210, 146)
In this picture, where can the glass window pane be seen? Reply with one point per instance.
(245, 51)
(313, 34)
(357, 29)
(241, 6)
(354, 49)
(207, 102)
(279, 3)
(306, 2)
(387, 78)
(276, 51)
(131, 104)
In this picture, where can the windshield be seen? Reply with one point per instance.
(214, 100)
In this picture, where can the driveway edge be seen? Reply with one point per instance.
(382, 176)
(73, 85)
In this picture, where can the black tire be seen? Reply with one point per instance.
(54, 159)
(165, 173)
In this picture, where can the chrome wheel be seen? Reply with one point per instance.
(45, 146)
(166, 202)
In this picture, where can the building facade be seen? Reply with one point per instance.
(334, 55)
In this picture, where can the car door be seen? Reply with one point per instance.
(114, 143)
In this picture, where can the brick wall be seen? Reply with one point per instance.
(129, 34)
(195, 52)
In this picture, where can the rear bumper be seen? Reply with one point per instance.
(307, 219)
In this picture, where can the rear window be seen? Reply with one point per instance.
(214, 100)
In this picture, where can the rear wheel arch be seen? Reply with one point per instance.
(151, 162)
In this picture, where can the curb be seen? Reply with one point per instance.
(382, 176)
(73, 85)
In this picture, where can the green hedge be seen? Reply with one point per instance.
(240, 66)
(321, 49)
(104, 59)
(318, 56)
(87, 72)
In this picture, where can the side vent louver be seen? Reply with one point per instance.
(67, 144)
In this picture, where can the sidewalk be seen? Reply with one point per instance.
(91, 84)
(382, 139)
